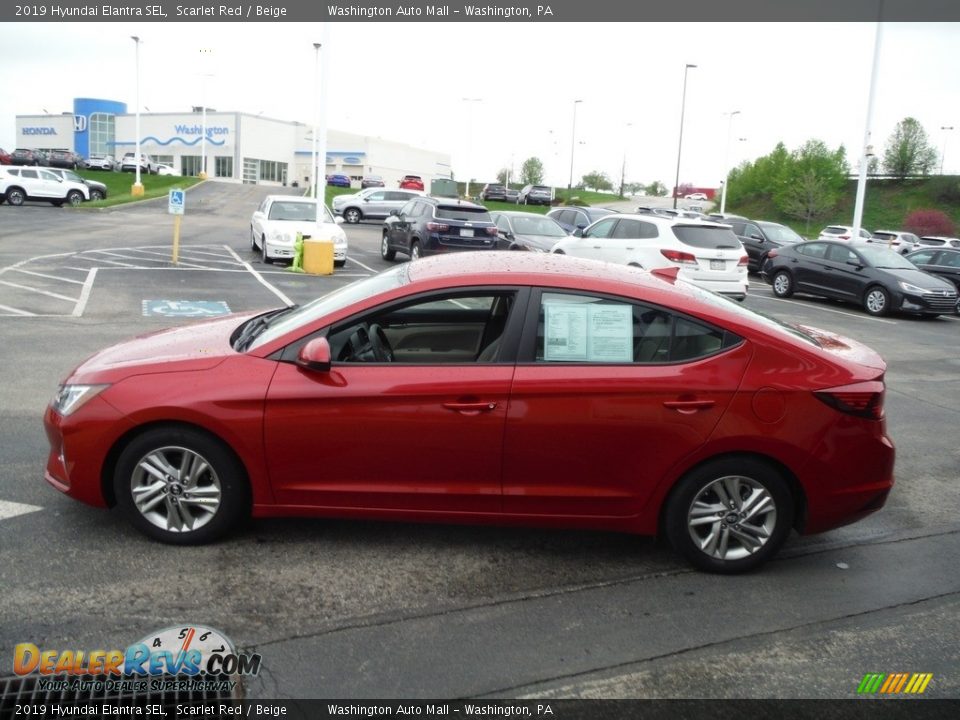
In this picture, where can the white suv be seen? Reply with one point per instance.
(19, 184)
(129, 163)
(844, 233)
(707, 254)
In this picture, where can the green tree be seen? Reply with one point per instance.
(531, 173)
(596, 181)
(909, 151)
(503, 176)
(811, 182)
(656, 189)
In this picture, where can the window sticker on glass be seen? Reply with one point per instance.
(594, 332)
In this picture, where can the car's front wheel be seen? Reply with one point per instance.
(385, 251)
(96, 194)
(782, 284)
(876, 301)
(179, 485)
(263, 251)
(730, 515)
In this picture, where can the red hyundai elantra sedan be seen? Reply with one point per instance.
(503, 388)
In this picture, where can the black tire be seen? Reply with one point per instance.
(16, 196)
(385, 251)
(352, 216)
(782, 284)
(415, 251)
(204, 507)
(876, 301)
(339, 263)
(96, 194)
(729, 535)
(263, 251)
(75, 197)
(253, 240)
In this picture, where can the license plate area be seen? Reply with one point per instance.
(466, 232)
(718, 264)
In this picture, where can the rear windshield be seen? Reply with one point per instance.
(707, 237)
(448, 212)
(541, 188)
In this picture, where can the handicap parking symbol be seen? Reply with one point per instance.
(176, 201)
(185, 308)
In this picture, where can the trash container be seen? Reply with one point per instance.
(318, 257)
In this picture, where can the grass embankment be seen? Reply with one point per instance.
(886, 204)
(119, 185)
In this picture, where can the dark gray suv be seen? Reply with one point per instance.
(536, 195)
(429, 226)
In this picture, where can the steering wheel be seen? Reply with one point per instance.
(379, 344)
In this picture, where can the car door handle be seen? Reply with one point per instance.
(688, 407)
(470, 408)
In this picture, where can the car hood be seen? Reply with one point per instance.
(919, 278)
(192, 347)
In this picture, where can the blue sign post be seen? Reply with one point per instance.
(176, 205)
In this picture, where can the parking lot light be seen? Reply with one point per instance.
(137, 189)
(683, 107)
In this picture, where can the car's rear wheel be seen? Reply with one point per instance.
(783, 284)
(729, 515)
(876, 301)
(385, 252)
(253, 240)
(74, 197)
(16, 196)
(352, 215)
(179, 485)
(415, 250)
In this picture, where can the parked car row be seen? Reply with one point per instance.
(20, 184)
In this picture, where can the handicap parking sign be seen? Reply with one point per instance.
(177, 201)
(185, 308)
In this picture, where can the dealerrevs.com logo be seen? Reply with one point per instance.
(181, 650)
(894, 683)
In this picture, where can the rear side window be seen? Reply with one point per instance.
(813, 250)
(833, 230)
(462, 213)
(706, 237)
(592, 329)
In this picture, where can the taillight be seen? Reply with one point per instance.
(437, 227)
(843, 237)
(679, 257)
(492, 230)
(744, 261)
(864, 399)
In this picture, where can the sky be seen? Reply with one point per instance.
(494, 94)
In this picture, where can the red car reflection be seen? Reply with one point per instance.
(502, 388)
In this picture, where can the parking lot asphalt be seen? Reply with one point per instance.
(364, 609)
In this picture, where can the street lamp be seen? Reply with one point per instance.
(316, 120)
(320, 135)
(623, 166)
(573, 144)
(726, 163)
(137, 189)
(944, 153)
(469, 157)
(683, 108)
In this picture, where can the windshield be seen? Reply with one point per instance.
(331, 303)
(297, 210)
(780, 233)
(881, 257)
(537, 226)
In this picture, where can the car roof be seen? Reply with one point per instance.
(668, 221)
(291, 198)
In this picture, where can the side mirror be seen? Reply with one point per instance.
(578, 232)
(756, 237)
(315, 356)
(338, 220)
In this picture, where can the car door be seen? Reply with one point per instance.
(375, 204)
(843, 275)
(398, 225)
(595, 242)
(422, 435)
(806, 265)
(608, 396)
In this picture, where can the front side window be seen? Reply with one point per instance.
(601, 229)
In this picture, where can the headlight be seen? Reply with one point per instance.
(912, 288)
(278, 236)
(70, 398)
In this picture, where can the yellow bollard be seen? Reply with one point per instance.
(318, 257)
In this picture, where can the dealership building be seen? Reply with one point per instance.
(239, 146)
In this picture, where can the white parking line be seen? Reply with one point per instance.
(365, 267)
(11, 509)
(817, 307)
(85, 294)
(50, 277)
(16, 311)
(58, 296)
(259, 277)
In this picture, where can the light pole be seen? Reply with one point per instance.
(321, 133)
(943, 155)
(623, 166)
(683, 108)
(137, 189)
(314, 172)
(573, 144)
(867, 150)
(726, 163)
(469, 158)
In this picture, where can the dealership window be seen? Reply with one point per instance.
(164, 159)
(223, 167)
(190, 165)
(274, 171)
(102, 134)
